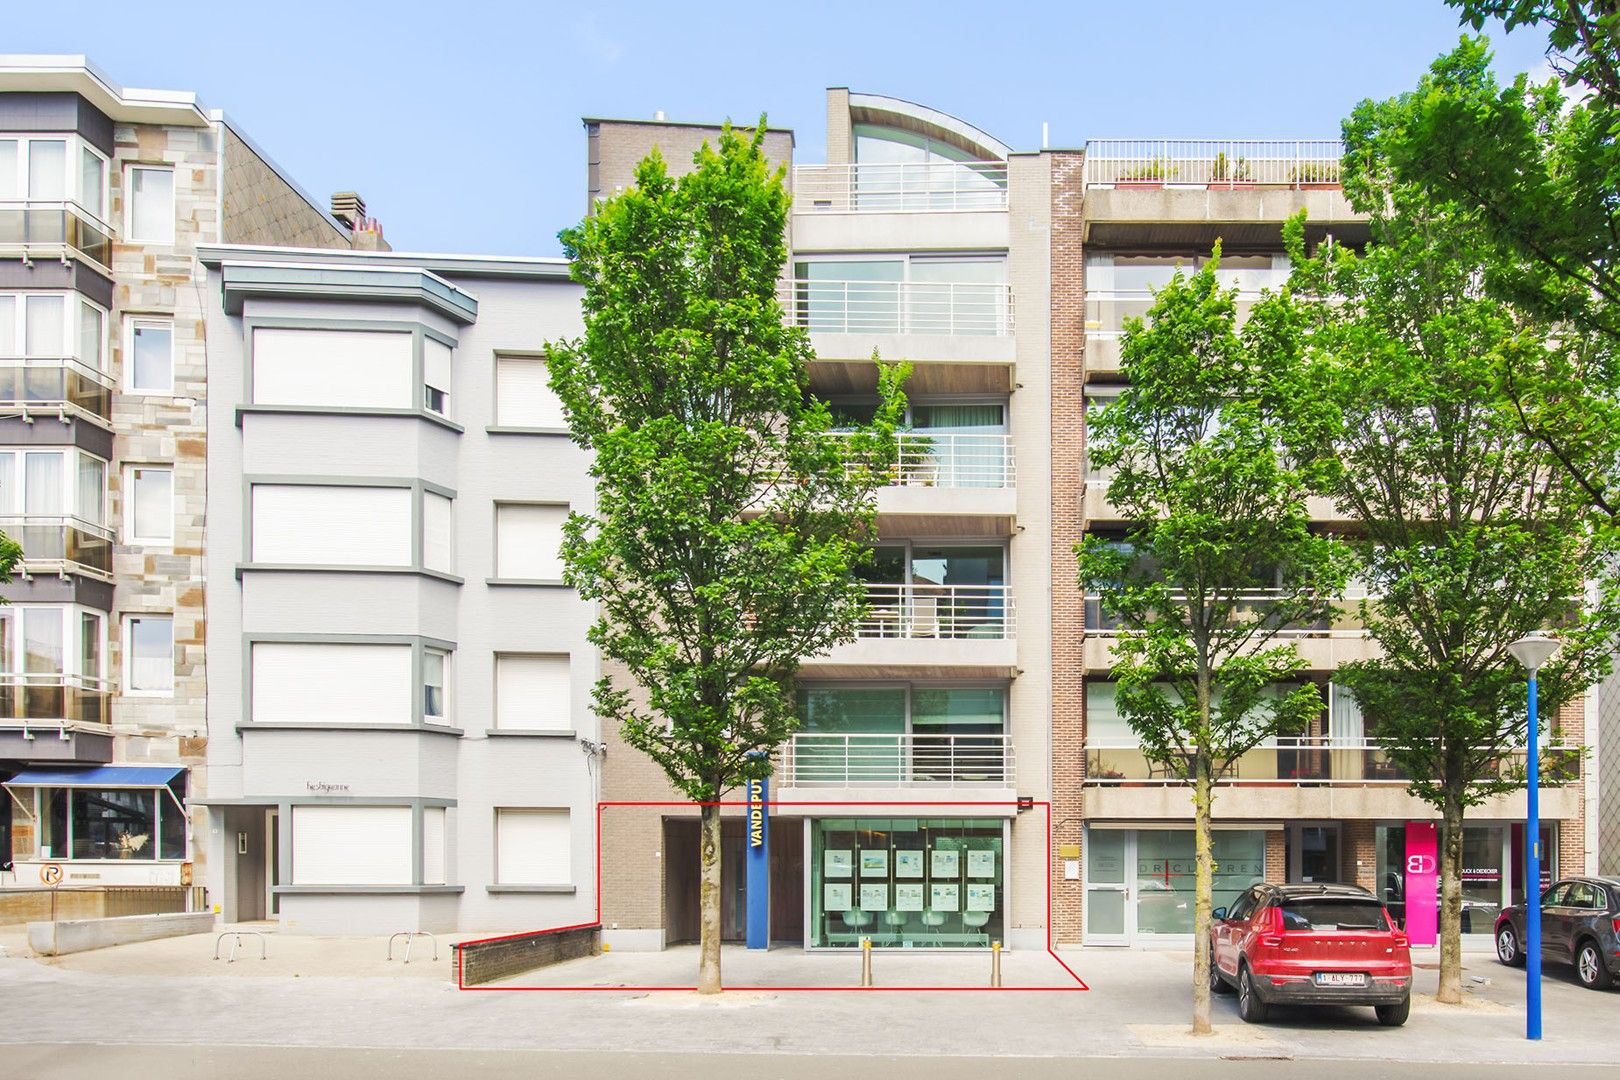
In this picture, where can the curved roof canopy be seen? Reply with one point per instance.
(909, 116)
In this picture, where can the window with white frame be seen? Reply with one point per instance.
(149, 655)
(434, 852)
(528, 541)
(351, 845)
(150, 347)
(323, 366)
(523, 394)
(149, 516)
(533, 846)
(47, 326)
(51, 486)
(45, 644)
(329, 682)
(438, 532)
(149, 204)
(533, 692)
(435, 686)
(331, 525)
(436, 376)
(53, 168)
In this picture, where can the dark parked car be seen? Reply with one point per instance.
(1311, 945)
(1580, 925)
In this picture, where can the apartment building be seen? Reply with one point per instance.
(106, 194)
(400, 733)
(909, 807)
(1328, 805)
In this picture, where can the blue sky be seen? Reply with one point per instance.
(459, 122)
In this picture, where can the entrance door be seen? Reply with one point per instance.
(1313, 853)
(1110, 910)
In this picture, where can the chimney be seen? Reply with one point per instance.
(659, 116)
(348, 207)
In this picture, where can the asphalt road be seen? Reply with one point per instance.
(41, 1061)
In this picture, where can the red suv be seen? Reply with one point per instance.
(1311, 945)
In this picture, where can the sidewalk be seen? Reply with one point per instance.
(170, 993)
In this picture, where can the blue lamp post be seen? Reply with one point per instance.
(1533, 650)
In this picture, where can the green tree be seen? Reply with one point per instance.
(727, 519)
(1467, 533)
(1534, 168)
(1221, 558)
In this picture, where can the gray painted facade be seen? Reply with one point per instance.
(258, 769)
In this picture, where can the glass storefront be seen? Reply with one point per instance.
(907, 882)
(1492, 876)
(1156, 898)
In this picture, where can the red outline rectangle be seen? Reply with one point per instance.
(1079, 984)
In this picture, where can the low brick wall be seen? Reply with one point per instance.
(480, 962)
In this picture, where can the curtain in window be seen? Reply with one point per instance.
(1346, 727)
(92, 490)
(42, 484)
(965, 443)
(47, 169)
(43, 327)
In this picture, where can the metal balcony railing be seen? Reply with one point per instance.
(1214, 163)
(900, 187)
(52, 700)
(1345, 623)
(921, 610)
(60, 544)
(946, 308)
(54, 229)
(54, 382)
(901, 760)
(953, 460)
(1308, 761)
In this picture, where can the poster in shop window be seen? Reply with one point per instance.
(838, 862)
(835, 897)
(908, 864)
(943, 897)
(874, 898)
(908, 897)
(981, 898)
(874, 862)
(981, 864)
(946, 863)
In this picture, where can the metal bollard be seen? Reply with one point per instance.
(866, 961)
(995, 963)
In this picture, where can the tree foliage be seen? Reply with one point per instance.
(727, 520)
(1221, 559)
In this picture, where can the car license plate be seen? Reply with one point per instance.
(1340, 978)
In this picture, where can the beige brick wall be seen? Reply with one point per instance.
(1359, 854)
(616, 147)
(840, 133)
(1276, 855)
(1067, 482)
(262, 208)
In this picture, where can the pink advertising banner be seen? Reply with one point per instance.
(1422, 882)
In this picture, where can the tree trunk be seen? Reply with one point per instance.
(1203, 891)
(1451, 858)
(709, 902)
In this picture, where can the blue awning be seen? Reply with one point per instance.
(103, 776)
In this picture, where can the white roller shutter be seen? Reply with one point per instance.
(528, 542)
(336, 526)
(523, 396)
(533, 693)
(433, 853)
(351, 845)
(328, 683)
(344, 368)
(532, 847)
(438, 533)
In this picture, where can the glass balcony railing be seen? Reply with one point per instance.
(54, 229)
(923, 610)
(52, 700)
(898, 760)
(61, 544)
(37, 382)
(1306, 761)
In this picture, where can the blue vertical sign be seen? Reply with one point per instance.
(759, 864)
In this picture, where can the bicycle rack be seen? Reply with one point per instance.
(410, 936)
(236, 937)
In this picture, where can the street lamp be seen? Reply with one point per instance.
(1532, 651)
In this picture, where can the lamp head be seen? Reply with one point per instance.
(1534, 649)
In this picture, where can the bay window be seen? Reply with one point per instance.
(52, 663)
(54, 503)
(113, 823)
(35, 168)
(52, 326)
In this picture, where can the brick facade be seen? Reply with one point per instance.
(1068, 490)
(1276, 855)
